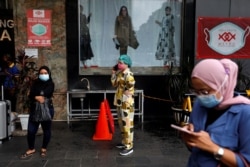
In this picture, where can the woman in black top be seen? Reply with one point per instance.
(43, 87)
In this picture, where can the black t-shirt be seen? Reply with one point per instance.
(213, 115)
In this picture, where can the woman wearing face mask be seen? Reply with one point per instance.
(123, 80)
(43, 87)
(220, 118)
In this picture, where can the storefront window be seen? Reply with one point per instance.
(151, 35)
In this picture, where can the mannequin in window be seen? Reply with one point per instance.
(165, 45)
(85, 40)
(124, 33)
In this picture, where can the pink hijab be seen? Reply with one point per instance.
(213, 72)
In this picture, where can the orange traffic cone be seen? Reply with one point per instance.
(102, 129)
(110, 117)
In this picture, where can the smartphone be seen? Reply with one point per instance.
(115, 67)
(180, 128)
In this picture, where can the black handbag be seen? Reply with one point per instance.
(41, 112)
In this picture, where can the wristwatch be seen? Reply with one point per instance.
(219, 154)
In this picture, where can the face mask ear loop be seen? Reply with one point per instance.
(225, 80)
(223, 83)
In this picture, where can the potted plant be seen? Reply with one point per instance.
(178, 85)
(28, 72)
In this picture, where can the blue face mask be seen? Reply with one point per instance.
(209, 101)
(44, 77)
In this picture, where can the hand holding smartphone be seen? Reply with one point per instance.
(181, 129)
(115, 67)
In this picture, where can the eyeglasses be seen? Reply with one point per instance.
(199, 92)
(205, 92)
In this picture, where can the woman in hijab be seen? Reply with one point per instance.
(219, 122)
(43, 87)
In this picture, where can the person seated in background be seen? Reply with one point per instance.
(11, 71)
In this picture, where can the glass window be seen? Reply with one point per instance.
(150, 34)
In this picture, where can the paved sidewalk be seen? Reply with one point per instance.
(155, 145)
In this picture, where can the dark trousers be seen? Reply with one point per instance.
(33, 128)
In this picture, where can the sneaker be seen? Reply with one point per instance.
(126, 151)
(120, 145)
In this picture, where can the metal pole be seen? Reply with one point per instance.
(2, 89)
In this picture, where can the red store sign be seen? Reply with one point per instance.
(39, 27)
(223, 38)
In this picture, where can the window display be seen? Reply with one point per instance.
(149, 31)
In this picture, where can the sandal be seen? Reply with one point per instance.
(27, 155)
(43, 153)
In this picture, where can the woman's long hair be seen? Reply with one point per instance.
(123, 7)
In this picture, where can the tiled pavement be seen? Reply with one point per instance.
(155, 145)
